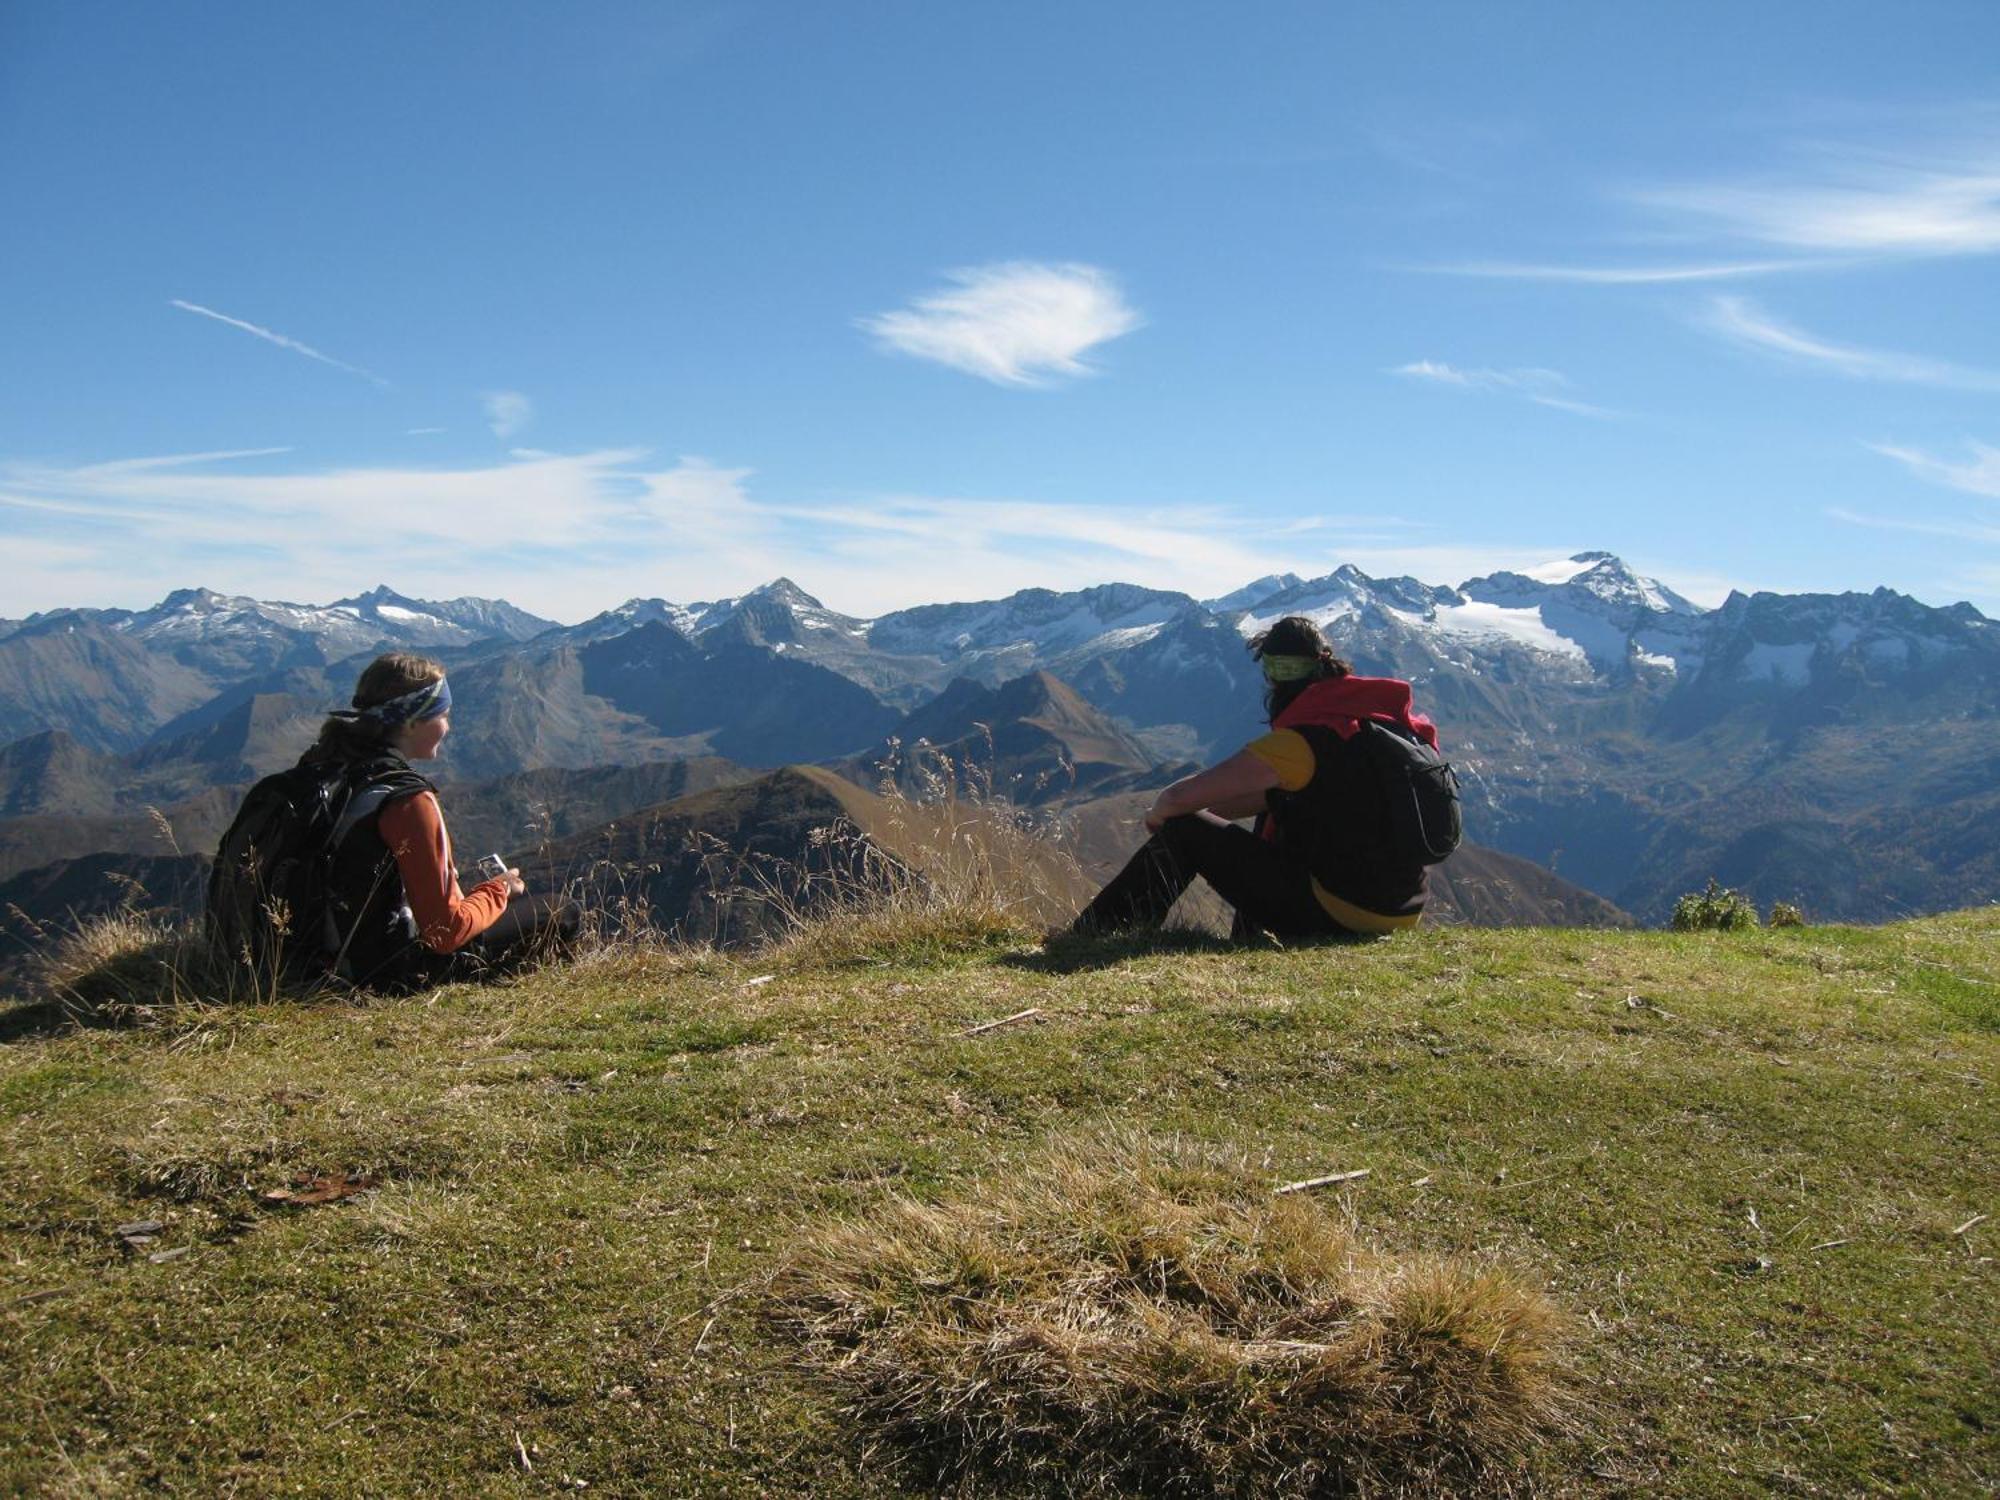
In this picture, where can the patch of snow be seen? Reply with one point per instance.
(1252, 594)
(1664, 600)
(1606, 642)
(1644, 658)
(1889, 651)
(1322, 612)
(1130, 635)
(1562, 570)
(1788, 664)
(1524, 627)
(397, 612)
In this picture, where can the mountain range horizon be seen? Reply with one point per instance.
(1607, 729)
(385, 595)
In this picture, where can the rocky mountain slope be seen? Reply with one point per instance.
(1031, 741)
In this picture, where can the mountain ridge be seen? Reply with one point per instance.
(1603, 724)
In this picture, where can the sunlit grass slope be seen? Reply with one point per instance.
(1748, 1170)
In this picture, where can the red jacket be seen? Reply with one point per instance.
(1341, 703)
(447, 917)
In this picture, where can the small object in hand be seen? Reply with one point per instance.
(491, 867)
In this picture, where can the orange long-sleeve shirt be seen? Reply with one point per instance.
(447, 917)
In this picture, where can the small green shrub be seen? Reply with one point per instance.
(1715, 908)
(1784, 914)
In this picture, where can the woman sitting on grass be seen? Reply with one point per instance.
(1321, 862)
(401, 919)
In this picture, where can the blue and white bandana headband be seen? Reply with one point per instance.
(431, 701)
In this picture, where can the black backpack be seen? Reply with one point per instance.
(269, 904)
(1419, 791)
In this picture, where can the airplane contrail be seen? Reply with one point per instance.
(279, 339)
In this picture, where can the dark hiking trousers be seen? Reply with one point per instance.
(532, 927)
(1270, 893)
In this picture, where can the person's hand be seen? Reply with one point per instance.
(516, 886)
(1156, 815)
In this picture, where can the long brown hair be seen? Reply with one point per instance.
(1295, 635)
(388, 676)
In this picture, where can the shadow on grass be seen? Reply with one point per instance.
(32, 1018)
(123, 973)
(111, 976)
(1069, 953)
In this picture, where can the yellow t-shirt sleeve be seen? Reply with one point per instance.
(1286, 752)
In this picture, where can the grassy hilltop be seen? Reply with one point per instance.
(1748, 1169)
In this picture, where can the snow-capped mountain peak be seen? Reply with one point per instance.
(1037, 621)
(1589, 606)
(631, 615)
(1253, 593)
(1580, 579)
(1344, 594)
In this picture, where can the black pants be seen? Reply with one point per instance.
(531, 927)
(1270, 892)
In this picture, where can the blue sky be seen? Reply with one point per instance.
(916, 302)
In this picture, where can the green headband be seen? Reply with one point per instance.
(1289, 668)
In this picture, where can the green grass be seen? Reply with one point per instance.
(1737, 1160)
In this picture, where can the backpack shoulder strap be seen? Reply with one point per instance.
(371, 786)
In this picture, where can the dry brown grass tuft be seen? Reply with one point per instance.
(940, 877)
(1128, 1312)
(133, 967)
(127, 968)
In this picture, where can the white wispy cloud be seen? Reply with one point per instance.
(281, 340)
(553, 500)
(1921, 201)
(1157, 542)
(1957, 531)
(1978, 475)
(180, 460)
(567, 535)
(1743, 322)
(422, 431)
(507, 412)
(38, 553)
(1617, 275)
(570, 534)
(1543, 387)
(1818, 206)
(1016, 323)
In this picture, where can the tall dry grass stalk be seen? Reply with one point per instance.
(129, 967)
(139, 964)
(943, 865)
(1129, 1314)
(956, 863)
(938, 877)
